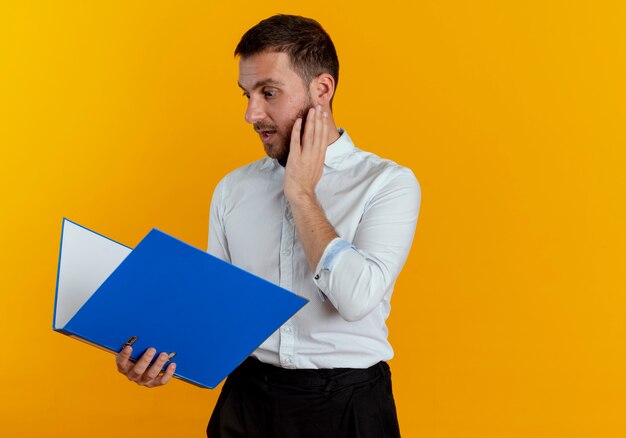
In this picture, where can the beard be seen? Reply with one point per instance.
(280, 144)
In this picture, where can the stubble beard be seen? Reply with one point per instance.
(279, 148)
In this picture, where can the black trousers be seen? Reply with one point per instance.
(263, 401)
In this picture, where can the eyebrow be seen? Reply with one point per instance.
(262, 83)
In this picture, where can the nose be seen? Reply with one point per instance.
(254, 111)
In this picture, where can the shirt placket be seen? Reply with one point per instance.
(287, 330)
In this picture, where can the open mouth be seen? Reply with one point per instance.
(266, 135)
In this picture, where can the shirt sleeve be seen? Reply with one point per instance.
(218, 245)
(355, 276)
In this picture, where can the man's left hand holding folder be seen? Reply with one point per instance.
(141, 372)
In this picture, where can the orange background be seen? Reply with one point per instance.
(508, 320)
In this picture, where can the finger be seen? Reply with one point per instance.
(167, 375)
(122, 359)
(318, 128)
(142, 364)
(155, 368)
(309, 129)
(295, 137)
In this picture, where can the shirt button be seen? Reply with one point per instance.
(287, 252)
(287, 329)
(287, 360)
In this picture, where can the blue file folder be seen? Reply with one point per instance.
(172, 296)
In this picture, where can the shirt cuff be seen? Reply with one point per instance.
(327, 262)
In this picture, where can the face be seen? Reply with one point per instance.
(276, 98)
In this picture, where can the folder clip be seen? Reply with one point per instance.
(130, 342)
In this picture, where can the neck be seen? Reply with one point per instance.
(333, 135)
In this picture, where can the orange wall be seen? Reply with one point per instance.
(508, 320)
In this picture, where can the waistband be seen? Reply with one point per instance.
(327, 378)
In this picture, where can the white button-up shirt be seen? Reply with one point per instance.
(372, 203)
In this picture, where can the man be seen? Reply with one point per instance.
(321, 218)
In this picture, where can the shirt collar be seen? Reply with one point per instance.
(335, 154)
(339, 150)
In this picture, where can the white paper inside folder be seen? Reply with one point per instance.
(87, 259)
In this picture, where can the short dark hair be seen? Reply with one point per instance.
(308, 46)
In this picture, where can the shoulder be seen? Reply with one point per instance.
(248, 174)
(384, 171)
(391, 186)
(259, 168)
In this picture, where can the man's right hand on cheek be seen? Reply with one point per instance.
(141, 372)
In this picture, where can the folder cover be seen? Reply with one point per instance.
(169, 294)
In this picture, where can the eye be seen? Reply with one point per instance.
(269, 92)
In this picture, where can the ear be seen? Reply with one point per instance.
(323, 89)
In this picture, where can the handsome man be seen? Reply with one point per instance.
(321, 218)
